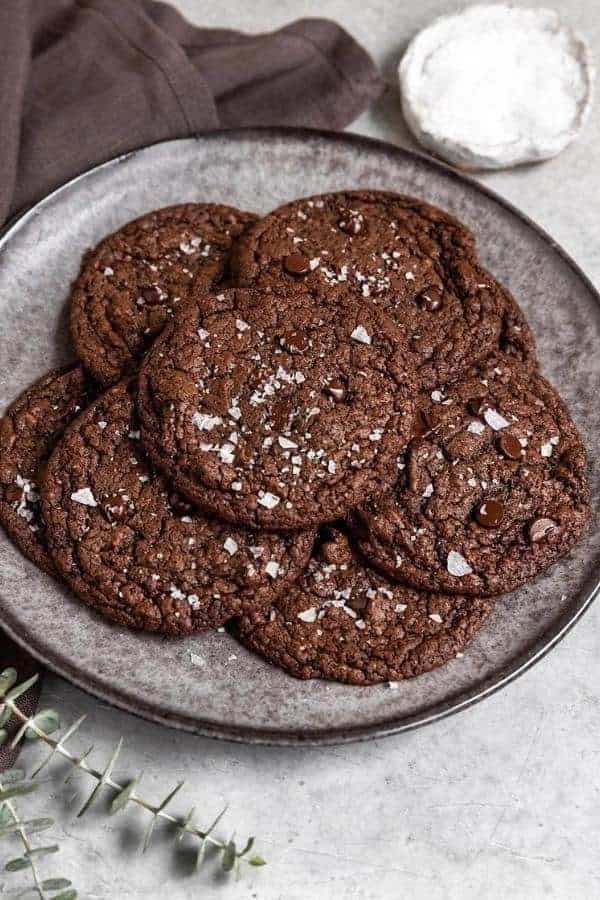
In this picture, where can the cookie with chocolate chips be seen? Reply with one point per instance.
(133, 549)
(345, 622)
(493, 491)
(136, 278)
(277, 411)
(30, 428)
(402, 255)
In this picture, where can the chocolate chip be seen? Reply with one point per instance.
(358, 603)
(413, 472)
(475, 405)
(490, 513)
(12, 493)
(115, 508)
(296, 264)
(422, 423)
(151, 296)
(510, 446)
(351, 224)
(293, 341)
(568, 459)
(431, 299)
(337, 390)
(180, 506)
(540, 529)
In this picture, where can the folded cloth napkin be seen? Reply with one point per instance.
(84, 80)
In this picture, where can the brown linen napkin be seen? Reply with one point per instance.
(12, 656)
(84, 80)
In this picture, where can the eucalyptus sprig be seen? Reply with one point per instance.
(13, 785)
(40, 727)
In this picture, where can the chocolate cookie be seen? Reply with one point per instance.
(345, 622)
(410, 259)
(493, 492)
(131, 283)
(30, 428)
(135, 550)
(277, 410)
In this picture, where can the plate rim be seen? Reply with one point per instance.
(311, 737)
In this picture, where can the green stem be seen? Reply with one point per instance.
(85, 766)
(26, 843)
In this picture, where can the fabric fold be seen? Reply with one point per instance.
(83, 81)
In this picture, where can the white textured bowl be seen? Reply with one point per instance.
(495, 86)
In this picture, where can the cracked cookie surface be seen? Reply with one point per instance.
(492, 493)
(276, 410)
(409, 258)
(133, 549)
(134, 280)
(28, 431)
(345, 622)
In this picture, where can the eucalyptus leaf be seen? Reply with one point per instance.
(216, 821)
(247, 848)
(16, 865)
(66, 895)
(152, 823)
(42, 823)
(170, 796)
(20, 689)
(123, 797)
(5, 714)
(200, 854)
(184, 828)
(3, 736)
(63, 740)
(18, 790)
(56, 884)
(149, 833)
(6, 816)
(47, 721)
(257, 861)
(107, 773)
(8, 677)
(11, 776)
(32, 826)
(42, 851)
(229, 854)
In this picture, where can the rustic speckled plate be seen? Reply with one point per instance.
(209, 684)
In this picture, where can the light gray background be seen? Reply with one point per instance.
(501, 801)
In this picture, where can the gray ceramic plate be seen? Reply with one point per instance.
(209, 684)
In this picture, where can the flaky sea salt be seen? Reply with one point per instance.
(231, 546)
(84, 496)
(272, 568)
(457, 565)
(308, 615)
(494, 419)
(361, 335)
(268, 500)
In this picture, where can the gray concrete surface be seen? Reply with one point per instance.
(500, 802)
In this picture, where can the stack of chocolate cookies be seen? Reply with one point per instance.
(326, 427)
